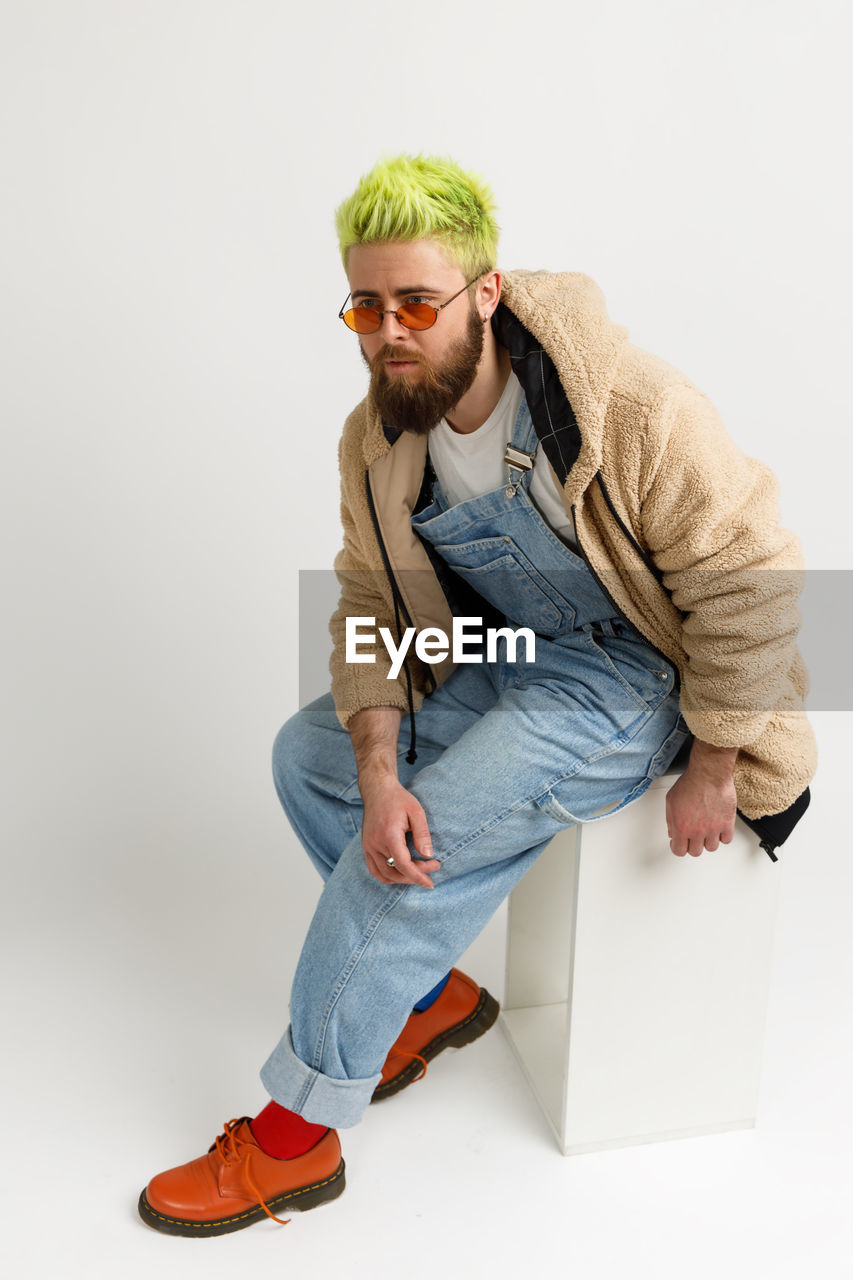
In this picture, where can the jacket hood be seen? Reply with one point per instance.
(565, 313)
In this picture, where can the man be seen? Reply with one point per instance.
(516, 460)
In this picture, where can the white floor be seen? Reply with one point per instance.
(117, 1063)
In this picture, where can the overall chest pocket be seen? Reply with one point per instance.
(500, 571)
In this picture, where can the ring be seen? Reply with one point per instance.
(390, 862)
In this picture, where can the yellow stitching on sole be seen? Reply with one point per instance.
(235, 1217)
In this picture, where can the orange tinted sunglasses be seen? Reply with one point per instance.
(412, 315)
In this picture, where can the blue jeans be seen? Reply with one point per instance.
(508, 754)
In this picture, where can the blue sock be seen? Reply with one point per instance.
(431, 996)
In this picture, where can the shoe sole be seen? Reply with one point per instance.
(301, 1198)
(456, 1037)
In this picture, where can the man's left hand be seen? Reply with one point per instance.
(701, 805)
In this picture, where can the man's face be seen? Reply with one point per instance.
(417, 376)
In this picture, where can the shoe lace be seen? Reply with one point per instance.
(403, 1053)
(228, 1146)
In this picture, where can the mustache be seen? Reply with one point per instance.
(392, 352)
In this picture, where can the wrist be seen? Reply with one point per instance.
(375, 773)
(714, 762)
(374, 733)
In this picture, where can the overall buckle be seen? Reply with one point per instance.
(517, 460)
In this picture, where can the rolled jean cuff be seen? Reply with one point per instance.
(319, 1099)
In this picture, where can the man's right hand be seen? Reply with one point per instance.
(390, 811)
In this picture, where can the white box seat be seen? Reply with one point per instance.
(637, 981)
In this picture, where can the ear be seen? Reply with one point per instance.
(489, 294)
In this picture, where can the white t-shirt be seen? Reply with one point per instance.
(473, 464)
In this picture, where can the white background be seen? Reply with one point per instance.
(173, 379)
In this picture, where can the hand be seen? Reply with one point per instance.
(701, 808)
(389, 812)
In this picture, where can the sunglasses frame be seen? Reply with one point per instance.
(342, 314)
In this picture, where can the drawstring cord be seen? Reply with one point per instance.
(411, 754)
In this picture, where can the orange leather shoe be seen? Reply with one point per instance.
(237, 1183)
(462, 1013)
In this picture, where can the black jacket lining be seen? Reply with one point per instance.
(553, 416)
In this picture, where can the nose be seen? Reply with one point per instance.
(395, 332)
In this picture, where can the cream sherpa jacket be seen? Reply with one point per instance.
(678, 526)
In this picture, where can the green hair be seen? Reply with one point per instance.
(415, 197)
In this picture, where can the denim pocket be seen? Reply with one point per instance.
(504, 576)
(617, 782)
(641, 671)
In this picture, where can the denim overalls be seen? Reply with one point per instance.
(509, 752)
(502, 547)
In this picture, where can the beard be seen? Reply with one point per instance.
(419, 405)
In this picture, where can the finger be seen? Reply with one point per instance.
(377, 863)
(420, 831)
(678, 845)
(712, 843)
(695, 846)
(378, 868)
(413, 871)
(425, 864)
(386, 843)
(404, 867)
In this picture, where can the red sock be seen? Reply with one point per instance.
(283, 1134)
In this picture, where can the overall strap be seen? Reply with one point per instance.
(524, 432)
(518, 457)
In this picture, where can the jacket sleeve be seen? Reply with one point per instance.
(365, 593)
(710, 518)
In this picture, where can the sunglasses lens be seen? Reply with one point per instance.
(417, 315)
(362, 319)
